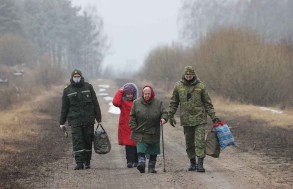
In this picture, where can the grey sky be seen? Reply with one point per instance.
(134, 27)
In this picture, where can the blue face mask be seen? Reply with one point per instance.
(76, 80)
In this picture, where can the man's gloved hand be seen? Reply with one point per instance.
(216, 120)
(63, 128)
(172, 121)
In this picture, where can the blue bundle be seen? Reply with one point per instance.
(224, 135)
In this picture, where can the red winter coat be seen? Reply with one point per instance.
(124, 131)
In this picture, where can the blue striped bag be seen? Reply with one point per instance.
(224, 135)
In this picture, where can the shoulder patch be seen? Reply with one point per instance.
(66, 86)
(178, 83)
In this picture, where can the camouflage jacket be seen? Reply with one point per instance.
(145, 120)
(194, 102)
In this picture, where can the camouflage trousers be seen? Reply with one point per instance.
(195, 141)
(82, 139)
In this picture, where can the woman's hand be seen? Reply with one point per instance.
(163, 121)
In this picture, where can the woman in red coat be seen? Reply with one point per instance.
(123, 99)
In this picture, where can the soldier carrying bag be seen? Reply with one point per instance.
(102, 143)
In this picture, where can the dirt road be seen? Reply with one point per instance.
(234, 169)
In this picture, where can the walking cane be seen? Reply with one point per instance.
(163, 146)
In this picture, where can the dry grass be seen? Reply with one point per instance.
(15, 125)
(30, 136)
(258, 131)
(234, 109)
(19, 122)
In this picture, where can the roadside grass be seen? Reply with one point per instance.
(273, 119)
(16, 125)
(29, 137)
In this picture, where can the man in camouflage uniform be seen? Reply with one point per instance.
(80, 107)
(190, 93)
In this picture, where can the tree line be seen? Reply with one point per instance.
(33, 29)
(40, 40)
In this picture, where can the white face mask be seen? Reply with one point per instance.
(76, 80)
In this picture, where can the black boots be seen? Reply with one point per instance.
(87, 165)
(152, 164)
(129, 165)
(141, 167)
(192, 166)
(200, 165)
(135, 164)
(84, 165)
(151, 167)
(196, 167)
(78, 166)
(131, 156)
(141, 163)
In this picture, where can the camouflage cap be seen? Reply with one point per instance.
(76, 71)
(189, 70)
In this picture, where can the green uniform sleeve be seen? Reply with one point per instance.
(207, 102)
(64, 108)
(174, 102)
(96, 104)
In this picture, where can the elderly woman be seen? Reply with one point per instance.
(123, 100)
(145, 117)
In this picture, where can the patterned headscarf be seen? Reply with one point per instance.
(130, 88)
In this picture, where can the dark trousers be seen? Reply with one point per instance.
(82, 140)
(131, 154)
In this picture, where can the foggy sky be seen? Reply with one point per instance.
(134, 27)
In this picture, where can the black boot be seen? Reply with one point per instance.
(135, 164)
(131, 156)
(192, 166)
(87, 164)
(129, 165)
(78, 166)
(200, 165)
(151, 167)
(152, 164)
(141, 163)
(141, 167)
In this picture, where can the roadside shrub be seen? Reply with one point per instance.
(163, 65)
(240, 65)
